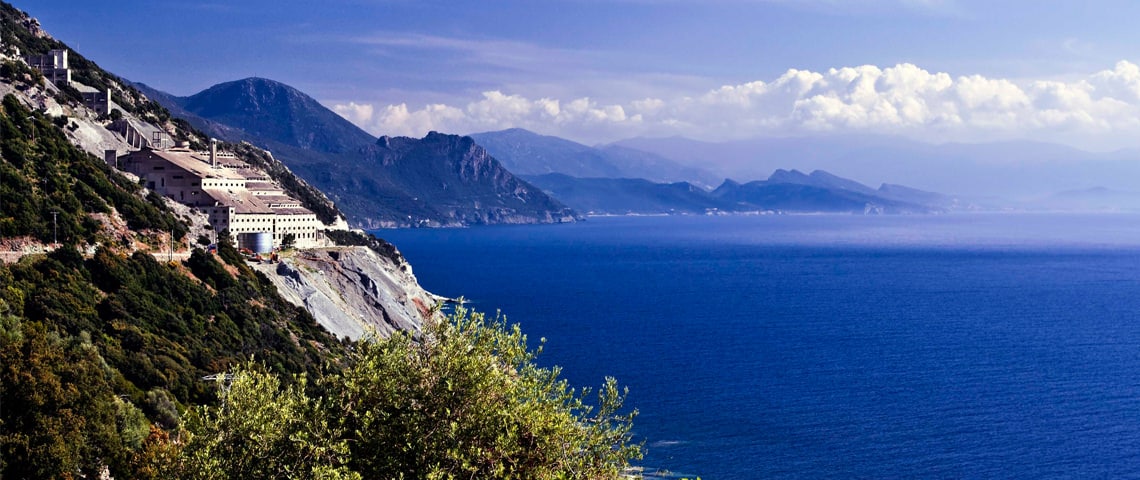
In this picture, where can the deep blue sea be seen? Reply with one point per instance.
(953, 346)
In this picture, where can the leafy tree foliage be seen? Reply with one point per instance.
(468, 401)
(263, 429)
(59, 417)
(464, 401)
(96, 351)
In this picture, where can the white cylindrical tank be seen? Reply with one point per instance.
(258, 242)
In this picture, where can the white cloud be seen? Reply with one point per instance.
(354, 112)
(904, 99)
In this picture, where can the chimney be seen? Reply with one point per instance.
(214, 153)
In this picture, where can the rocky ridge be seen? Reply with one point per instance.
(352, 291)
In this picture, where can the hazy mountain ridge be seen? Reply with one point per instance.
(441, 182)
(785, 191)
(627, 195)
(527, 153)
(1015, 171)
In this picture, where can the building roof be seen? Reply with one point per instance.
(263, 187)
(242, 201)
(191, 162)
(292, 211)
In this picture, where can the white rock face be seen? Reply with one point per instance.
(352, 291)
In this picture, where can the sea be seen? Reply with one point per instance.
(832, 346)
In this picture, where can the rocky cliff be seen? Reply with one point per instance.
(352, 291)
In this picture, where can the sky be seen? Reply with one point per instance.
(597, 71)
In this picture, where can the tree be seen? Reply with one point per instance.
(467, 401)
(60, 417)
(288, 240)
(464, 399)
(262, 430)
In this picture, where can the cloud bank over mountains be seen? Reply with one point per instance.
(1099, 110)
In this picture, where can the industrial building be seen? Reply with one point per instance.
(234, 195)
(53, 66)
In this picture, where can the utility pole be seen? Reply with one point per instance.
(54, 227)
(171, 257)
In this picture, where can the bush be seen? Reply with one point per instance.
(468, 401)
(465, 400)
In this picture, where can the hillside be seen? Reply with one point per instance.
(439, 180)
(92, 332)
(100, 335)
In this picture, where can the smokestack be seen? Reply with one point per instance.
(214, 153)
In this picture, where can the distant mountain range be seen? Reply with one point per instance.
(527, 153)
(786, 191)
(401, 182)
(440, 180)
(1007, 171)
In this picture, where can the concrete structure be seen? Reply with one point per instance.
(234, 195)
(98, 101)
(140, 134)
(53, 66)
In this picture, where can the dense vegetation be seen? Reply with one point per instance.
(102, 360)
(41, 173)
(465, 401)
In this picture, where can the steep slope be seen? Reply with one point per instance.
(98, 342)
(352, 291)
(436, 183)
(528, 153)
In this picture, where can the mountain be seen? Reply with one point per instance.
(528, 153)
(1013, 170)
(792, 190)
(627, 195)
(784, 191)
(269, 110)
(440, 180)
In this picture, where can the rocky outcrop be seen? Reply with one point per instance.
(352, 291)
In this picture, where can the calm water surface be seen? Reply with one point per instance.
(957, 346)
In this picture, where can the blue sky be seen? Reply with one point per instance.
(594, 70)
